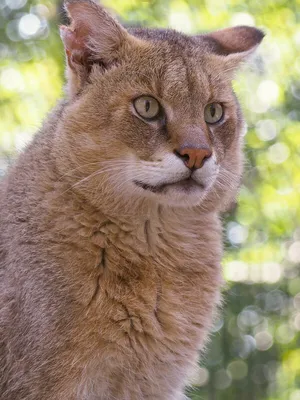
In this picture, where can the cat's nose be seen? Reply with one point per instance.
(193, 158)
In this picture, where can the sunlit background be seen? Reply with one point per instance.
(255, 348)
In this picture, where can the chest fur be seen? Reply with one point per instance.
(152, 281)
(152, 304)
(139, 298)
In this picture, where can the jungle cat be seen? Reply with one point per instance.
(110, 234)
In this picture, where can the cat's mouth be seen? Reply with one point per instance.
(186, 185)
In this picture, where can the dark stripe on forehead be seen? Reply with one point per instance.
(189, 80)
(199, 85)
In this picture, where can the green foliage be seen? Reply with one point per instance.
(254, 350)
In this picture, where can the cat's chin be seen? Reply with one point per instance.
(181, 194)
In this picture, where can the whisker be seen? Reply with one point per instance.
(75, 169)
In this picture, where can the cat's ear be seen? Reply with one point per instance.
(235, 44)
(93, 36)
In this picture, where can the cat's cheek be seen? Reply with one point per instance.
(224, 140)
(142, 139)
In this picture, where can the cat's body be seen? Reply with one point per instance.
(107, 292)
(120, 303)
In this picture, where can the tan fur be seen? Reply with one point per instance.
(108, 289)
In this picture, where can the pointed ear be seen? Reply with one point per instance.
(93, 37)
(237, 40)
(233, 44)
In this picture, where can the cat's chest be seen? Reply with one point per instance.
(152, 304)
(155, 287)
(144, 277)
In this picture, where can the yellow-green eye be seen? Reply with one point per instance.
(147, 107)
(213, 113)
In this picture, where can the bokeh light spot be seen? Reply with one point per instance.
(297, 322)
(275, 301)
(278, 153)
(236, 271)
(199, 377)
(242, 18)
(285, 334)
(294, 252)
(249, 317)
(268, 92)
(11, 79)
(12, 30)
(266, 129)
(264, 340)
(217, 325)
(222, 379)
(236, 233)
(295, 395)
(242, 347)
(15, 4)
(297, 301)
(237, 369)
(180, 21)
(257, 105)
(271, 272)
(29, 26)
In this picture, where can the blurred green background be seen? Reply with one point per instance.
(254, 352)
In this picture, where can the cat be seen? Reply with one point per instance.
(111, 241)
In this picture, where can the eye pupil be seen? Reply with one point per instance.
(213, 113)
(147, 105)
(213, 110)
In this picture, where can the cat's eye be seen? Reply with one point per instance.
(213, 113)
(147, 107)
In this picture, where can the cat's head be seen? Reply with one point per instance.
(151, 113)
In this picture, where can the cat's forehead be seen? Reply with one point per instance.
(170, 36)
(175, 52)
(184, 67)
(172, 44)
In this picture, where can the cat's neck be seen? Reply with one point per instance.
(144, 220)
(138, 214)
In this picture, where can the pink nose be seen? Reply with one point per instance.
(193, 158)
